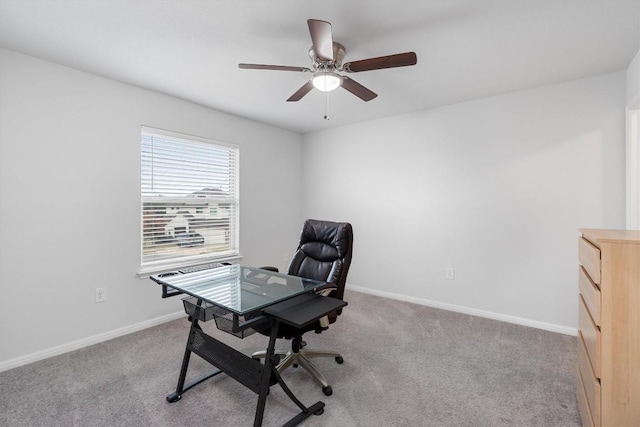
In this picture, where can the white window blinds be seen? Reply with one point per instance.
(189, 192)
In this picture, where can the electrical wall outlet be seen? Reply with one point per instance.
(451, 273)
(101, 294)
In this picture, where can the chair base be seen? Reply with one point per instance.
(290, 358)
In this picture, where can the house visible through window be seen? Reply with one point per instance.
(189, 189)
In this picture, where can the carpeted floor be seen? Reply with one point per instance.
(405, 365)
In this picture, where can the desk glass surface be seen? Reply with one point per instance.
(237, 288)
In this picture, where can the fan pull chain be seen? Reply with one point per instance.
(326, 106)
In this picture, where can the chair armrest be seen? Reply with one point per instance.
(269, 268)
(327, 288)
(325, 291)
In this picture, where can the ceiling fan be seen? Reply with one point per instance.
(326, 56)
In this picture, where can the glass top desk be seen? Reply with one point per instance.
(239, 297)
(238, 289)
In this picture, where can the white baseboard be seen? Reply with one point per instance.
(85, 342)
(467, 310)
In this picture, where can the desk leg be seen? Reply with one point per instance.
(181, 387)
(269, 369)
(266, 375)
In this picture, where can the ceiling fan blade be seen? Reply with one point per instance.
(390, 61)
(305, 89)
(321, 38)
(357, 89)
(272, 67)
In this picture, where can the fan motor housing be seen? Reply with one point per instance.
(338, 55)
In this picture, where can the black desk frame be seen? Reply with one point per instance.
(251, 373)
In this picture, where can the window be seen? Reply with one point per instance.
(189, 189)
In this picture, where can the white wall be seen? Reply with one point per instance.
(70, 203)
(495, 188)
(633, 80)
(633, 144)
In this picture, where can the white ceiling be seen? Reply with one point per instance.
(466, 49)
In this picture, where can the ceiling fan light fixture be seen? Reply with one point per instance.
(326, 81)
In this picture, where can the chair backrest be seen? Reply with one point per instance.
(324, 253)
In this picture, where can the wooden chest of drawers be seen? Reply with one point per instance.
(608, 380)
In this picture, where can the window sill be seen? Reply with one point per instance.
(145, 272)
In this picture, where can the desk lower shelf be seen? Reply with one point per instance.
(245, 370)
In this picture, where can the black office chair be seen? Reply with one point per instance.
(324, 253)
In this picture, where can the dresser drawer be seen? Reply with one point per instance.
(583, 405)
(591, 336)
(589, 257)
(590, 293)
(588, 384)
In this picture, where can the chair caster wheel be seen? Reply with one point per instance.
(319, 412)
(340, 360)
(328, 391)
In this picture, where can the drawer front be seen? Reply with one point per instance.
(583, 406)
(589, 257)
(590, 335)
(588, 384)
(590, 293)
